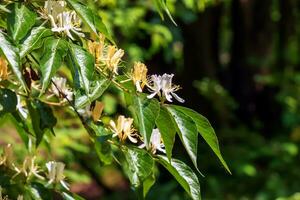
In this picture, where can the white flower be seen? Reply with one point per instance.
(163, 87)
(29, 168)
(60, 85)
(123, 129)
(155, 142)
(67, 22)
(21, 108)
(56, 173)
(85, 112)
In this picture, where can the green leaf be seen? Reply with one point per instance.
(103, 148)
(34, 40)
(148, 183)
(42, 119)
(167, 130)
(54, 52)
(138, 165)
(85, 62)
(206, 131)
(12, 56)
(146, 111)
(20, 21)
(8, 101)
(187, 131)
(21, 127)
(98, 90)
(184, 175)
(161, 6)
(39, 192)
(92, 20)
(71, 196)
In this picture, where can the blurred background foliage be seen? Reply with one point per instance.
(238, 62)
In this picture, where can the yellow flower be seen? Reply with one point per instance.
(96, 49)
(113, 57)
(139, 75)
(3, 69)
(123, 129)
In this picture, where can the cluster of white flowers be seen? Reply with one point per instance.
(163, 87)
(62, 20)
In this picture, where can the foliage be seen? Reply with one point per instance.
(55, 56)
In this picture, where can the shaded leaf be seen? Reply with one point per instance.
(19, 21)
(167, 130)
(184, 175)
(8, 101)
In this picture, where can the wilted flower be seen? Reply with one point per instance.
(163, 87)
(29, 168)
(6, 158)
(4, 73)
(60, 86)
(56, 173)
(123, 129)
(139, 75)
(155, 142)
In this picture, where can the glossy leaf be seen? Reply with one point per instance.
(184, 175)
(167, 130)
(187, 131)
(34, 40)
(205, 130)
(138, 165)
(20, 21)
(97, 91)
(8, 101)
(12, 56)
(54, 52)
(146, 111)
(92, 20)
(85, 63)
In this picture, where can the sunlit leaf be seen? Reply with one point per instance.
(184, 175)
(205, 130)
(20, 21)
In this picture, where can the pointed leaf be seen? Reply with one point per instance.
(187, 131)
(184, 175)
(34, 40)
(11, 54)
(167, 130)
(138, 165)
(20, 21)
(206, 131)
(54, 52)
(101, 86)
(92, 20)
(146, 111)
(85, 63)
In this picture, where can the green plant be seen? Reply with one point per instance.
(56, 55)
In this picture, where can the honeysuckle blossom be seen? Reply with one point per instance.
(85, 112)
(96, 49)
(123, 129)
(60, 86)
(62, 21)
(163, 87)
(139, 75)
(155, 142)
(56, 173)
(112, 58)
(4, 73)
(29, 168)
